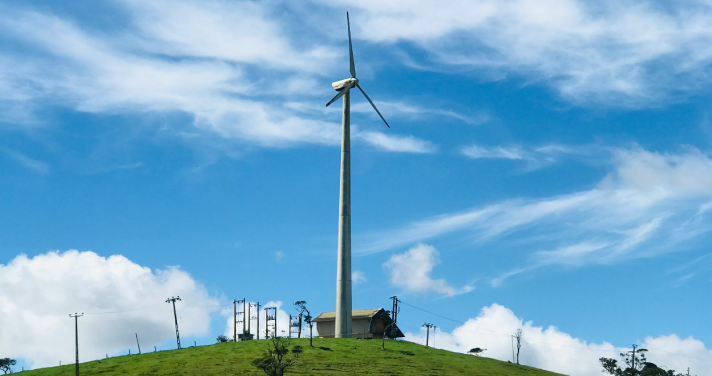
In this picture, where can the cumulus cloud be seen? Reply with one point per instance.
(649, 204)
(357, 277)
(554, 350)
(38, 293)
(412, 270)
(615, 53)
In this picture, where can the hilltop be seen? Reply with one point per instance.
(328, 357)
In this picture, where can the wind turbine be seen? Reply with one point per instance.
(342, 328)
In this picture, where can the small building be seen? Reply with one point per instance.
(365, 324)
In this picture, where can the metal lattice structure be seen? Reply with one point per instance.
(271, 322)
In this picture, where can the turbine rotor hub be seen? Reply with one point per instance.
(340, 85)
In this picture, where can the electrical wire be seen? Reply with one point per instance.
(127, 310)
(32, 340)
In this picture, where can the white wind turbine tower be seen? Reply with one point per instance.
(342, 327)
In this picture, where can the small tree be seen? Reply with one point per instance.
(272, 362)
(302, 308)
(385, 330)
(6, 364)
(296, 350)
(476, 351)
(222, 338)
(518, 336)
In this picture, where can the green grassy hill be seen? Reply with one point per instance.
(328, 357)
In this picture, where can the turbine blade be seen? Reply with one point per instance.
(339, 95)
(374, 106)
(351, 50)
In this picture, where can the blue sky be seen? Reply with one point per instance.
(548, 165)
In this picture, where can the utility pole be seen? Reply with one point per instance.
(76, 341)
(257, 316)
(427, 336)
(138, 344)
(173, 300)
(241, 337)
(512, 349)
(234, 320)
(394, 311)
(633, 354)
(244, 318)
(249, 321)
(518, 336)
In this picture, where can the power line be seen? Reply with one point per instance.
(432, 313)
(127, 310)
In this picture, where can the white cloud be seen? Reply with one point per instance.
(30, 163)
(358, 277)
(534, 157)
(499, 152)
(240, 31)
(38, 293)
(278, 256)
(230, 66)
(648, 204)
(554, 350)
(688, 173)
(412, 270)
(407, 144)
(406, 110)
(617, 53)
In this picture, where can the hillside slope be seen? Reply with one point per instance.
(328, 357)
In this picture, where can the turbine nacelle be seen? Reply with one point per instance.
(343, 84)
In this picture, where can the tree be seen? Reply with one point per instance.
(518, 336)
(6, 364)
(296, 350)
(476, 351)
(222, 338)
(302, 308)
(636, 364)
(272, 362)
(385, 330)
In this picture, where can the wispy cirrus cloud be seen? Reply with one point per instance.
(27, 162)
(536, 157)
(607, 52)
(230, 66)
(407, 144)
(649, 204)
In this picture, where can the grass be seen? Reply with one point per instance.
(328, 357)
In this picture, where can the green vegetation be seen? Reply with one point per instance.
(328, 357)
